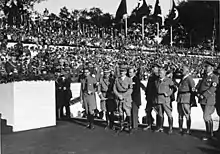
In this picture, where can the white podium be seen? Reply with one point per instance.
(28, 105)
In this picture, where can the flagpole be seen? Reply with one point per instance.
(126, 26)
(171, 36)
(157, 29)
(143, 26)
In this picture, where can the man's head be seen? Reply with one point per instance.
(185, 70)
(162, 73)
(155, 69)
(131, 72)
(106, 72)
(123, 70)
(209, 67)
(86, 72)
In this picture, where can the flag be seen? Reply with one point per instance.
(173, 15)
(142, 9)
(121, 11)
(157, 15)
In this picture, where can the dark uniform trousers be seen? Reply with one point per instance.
(163, 101)
(136, 101)
(207, 98)
(150, 96)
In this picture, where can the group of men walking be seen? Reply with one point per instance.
(121, 96)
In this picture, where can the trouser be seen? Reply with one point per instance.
(134, 115)
(123, 107)
(184, 109)
(161, 108)
(67, 108)
(208, 110)
(149, 109)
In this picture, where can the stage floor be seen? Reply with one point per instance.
(70, 137)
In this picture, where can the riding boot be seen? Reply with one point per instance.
(91, 122)
(181, 126)
(129, 125)
(88, 121)
(188, 125)
(159, 124)
(211, 128)
(111, 120)
(107, 120)
(207, 131)
(121, 123)
(170, 120)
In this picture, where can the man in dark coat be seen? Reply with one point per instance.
(64, 95)
(136, 97)
(150, 94)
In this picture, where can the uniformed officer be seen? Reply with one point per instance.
(64, 94)
(136, 97)
(105, 91)
(150, 95)
(88, 89)
(164, 90)
(206, 90)
(217, 105)
(123, 90)
(186, 88)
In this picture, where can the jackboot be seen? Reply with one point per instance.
(206, 137)
(107, 121)
(159, 124)
(129, 125)
(121, 123)
(88, 121)
(188, 125)
(92, 122)
(111, 120)
(211, 128)
(181, 126)
(170, 120)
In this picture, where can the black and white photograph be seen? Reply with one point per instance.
(109, 77)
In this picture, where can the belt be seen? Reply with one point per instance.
(183, 92)
(86, 92)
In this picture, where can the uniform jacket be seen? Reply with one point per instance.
(88, 85)
(207, 88)
(186, 88)
(105, 87)
(123, 88)
(163, 87)
(136, 93)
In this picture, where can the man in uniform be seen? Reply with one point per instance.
(136, 97)
(123, 90)
(164, 90)
(150, 95)
(186, 88)
(105, 91)
(206, 90)
(88, 88)
(217, 105)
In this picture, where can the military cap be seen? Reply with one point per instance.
(209, 63)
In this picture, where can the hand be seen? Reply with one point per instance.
(120, 97)
(201, 96)
(166, 95)
(89, 92)
(64, 88)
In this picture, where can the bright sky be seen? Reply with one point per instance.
(106, 5)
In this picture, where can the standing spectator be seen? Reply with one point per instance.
(136, 97)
